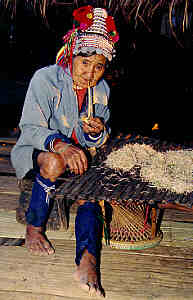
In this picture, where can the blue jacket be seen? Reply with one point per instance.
(51, 108)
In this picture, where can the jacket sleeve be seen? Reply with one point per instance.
(34, 123)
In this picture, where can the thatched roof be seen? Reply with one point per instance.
(138, 13)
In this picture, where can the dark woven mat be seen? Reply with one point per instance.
(102, 183)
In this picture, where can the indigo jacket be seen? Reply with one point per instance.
(51, 108)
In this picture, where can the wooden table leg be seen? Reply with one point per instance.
(153, 222)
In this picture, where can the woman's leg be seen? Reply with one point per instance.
(51, 166)
(88, 230)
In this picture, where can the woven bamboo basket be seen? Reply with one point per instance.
(133, 227)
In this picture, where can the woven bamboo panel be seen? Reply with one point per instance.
(103, 183)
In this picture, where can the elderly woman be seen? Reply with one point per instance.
(57, 123)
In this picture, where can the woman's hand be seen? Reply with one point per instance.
(73, 157)
(93, 126)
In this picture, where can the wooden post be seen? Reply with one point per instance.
(153, 222)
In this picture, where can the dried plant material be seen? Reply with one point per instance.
(122, 159)
(129, 156)
(171, 170)
(142, 152)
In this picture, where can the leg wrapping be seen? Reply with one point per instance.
(37, 212)
(88, 230)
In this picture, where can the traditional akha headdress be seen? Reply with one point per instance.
(93, 31)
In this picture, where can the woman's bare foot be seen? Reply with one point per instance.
(86, 275)
(36, 242)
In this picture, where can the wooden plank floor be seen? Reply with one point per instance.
(156, 273)
(164, 272)
(175, 234)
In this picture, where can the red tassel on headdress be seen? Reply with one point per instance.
(84, 16)
(64, 56)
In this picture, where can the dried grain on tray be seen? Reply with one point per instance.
(171, 170)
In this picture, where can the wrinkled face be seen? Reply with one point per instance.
(88, 70)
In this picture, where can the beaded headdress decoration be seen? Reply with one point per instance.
(96, 32)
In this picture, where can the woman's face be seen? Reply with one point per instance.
(87, 71)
